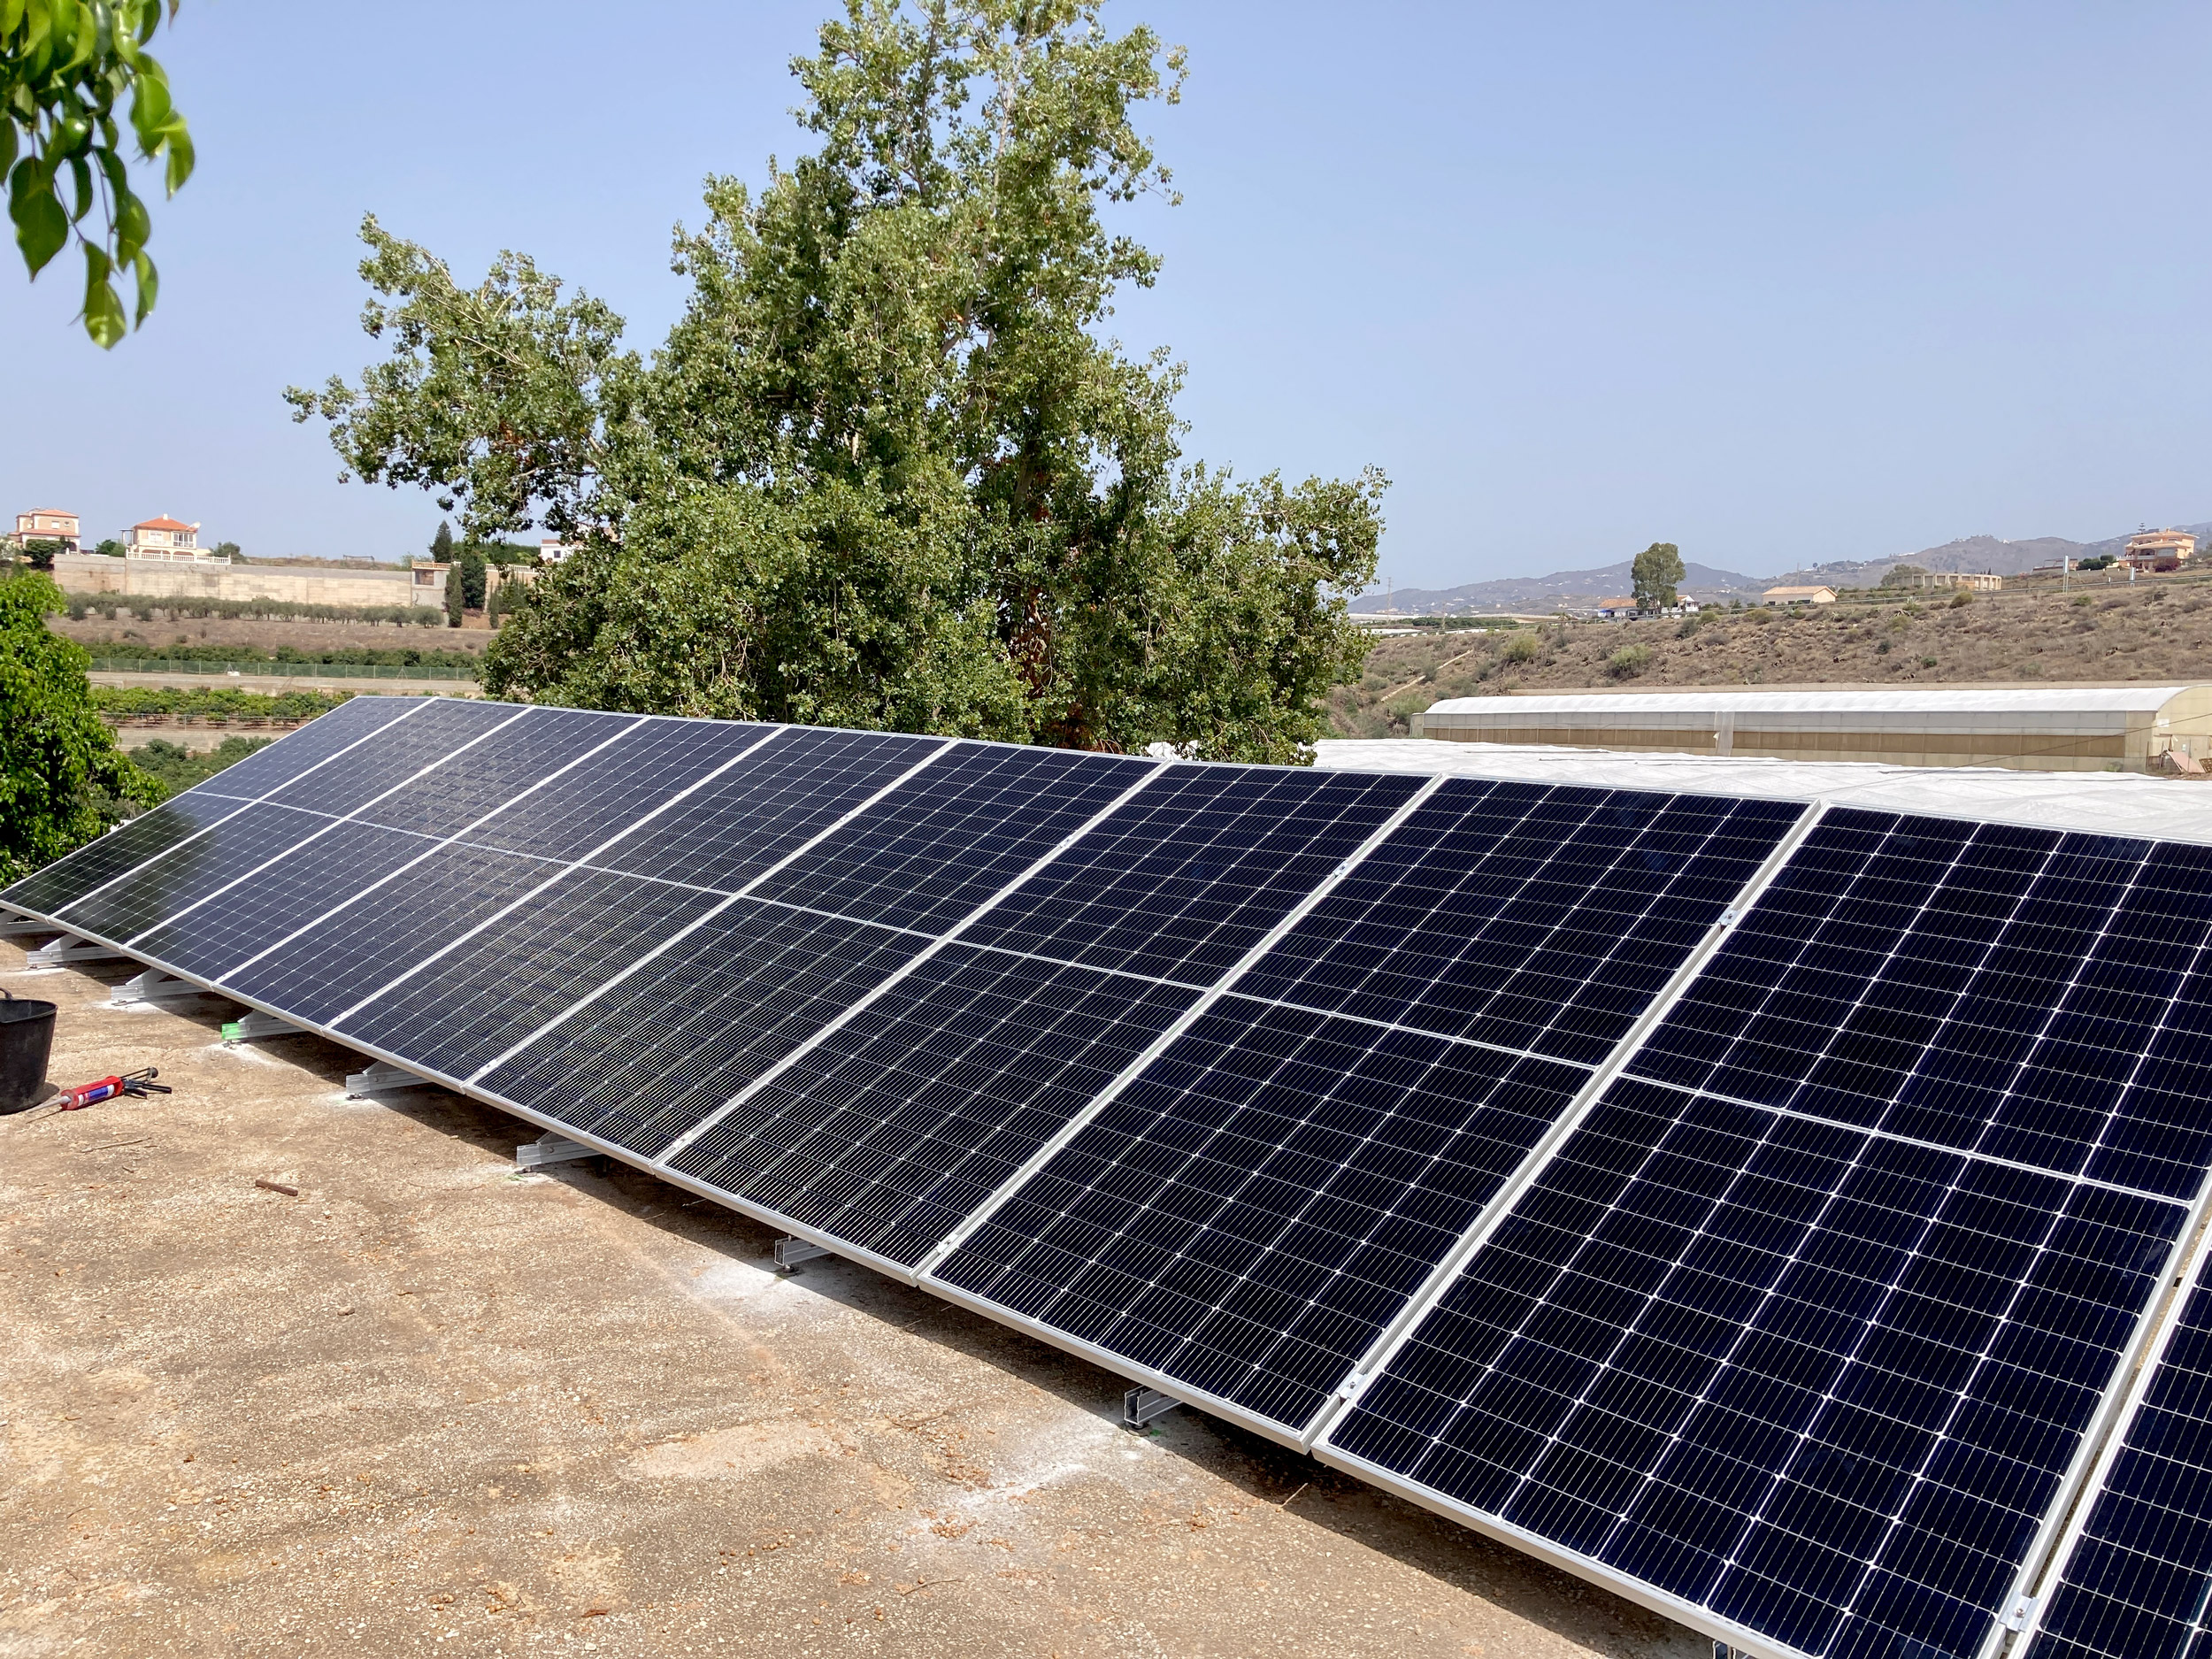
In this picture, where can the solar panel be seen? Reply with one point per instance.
(393, 757)
(1252, 1214)
(1773, 1261)
(1189, 878)
(96, 863)
(1248, 1217)
(1537, 918)
(234, 846)
(324, 952)
(581, 806)
(889, 1133)
(557, 944)
(2135, 1576)
(928, 855)
(653, 1055)
(1783, 1332)
(744, 821)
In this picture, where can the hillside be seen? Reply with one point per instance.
(1541, 594)
(2158, 630)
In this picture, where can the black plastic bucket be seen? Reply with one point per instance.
(26, 1037)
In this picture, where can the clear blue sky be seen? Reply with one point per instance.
(1777, 283)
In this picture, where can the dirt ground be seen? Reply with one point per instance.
(2156, 632)
(431, 1406)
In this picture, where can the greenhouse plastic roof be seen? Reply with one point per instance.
(2114, 803)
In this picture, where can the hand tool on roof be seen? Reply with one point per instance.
(139, 1083)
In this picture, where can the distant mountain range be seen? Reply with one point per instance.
(1606, 581)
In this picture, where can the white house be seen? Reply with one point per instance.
(167, 538)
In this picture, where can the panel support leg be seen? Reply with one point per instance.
(551, 1148)
(1139, 1406)
(253, 1025)
(69, 949)
(791, 1252)
(153, 988)
(381, 1079)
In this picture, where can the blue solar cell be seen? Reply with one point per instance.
(550, 950)
(949, 838)
(2015, 993)
(651, 1055)
(1193, 873)
(1248, 1216)
(765, 807)
(1823, 1383)
(435, 732)
(312, 744)
(2138, 1579)
(231, 847)
(322, 966)
(49, 891)
(651, 764)
(493, 771)
(1530, 916)
(301, 883)
(895, 1127)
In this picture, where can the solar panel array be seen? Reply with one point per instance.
(1751, 1208)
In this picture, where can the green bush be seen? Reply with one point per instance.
(125, 703)
(1628, 661)
(62, 780)
(179, 608)
(1522, 648)
(468, 663)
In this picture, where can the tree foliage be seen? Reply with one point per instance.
(62, 780)
(1653, 574)
(66, 68)
(887, 470)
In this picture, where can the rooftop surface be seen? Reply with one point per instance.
(429, 1406)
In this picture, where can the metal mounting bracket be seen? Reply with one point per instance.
(791, 1252)
(154, 987)
(69, 948)
(254, 1025)
(551, 1148)
(22, 927)
(381, 1079)
(1139, 1406)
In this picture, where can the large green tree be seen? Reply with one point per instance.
(68, 68)
(61, 779)
(887, 470)
(1653, 574)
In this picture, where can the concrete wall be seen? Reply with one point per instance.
(165, 579)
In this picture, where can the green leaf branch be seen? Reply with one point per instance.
(67, 67)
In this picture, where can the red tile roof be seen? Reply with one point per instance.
(162, 524)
